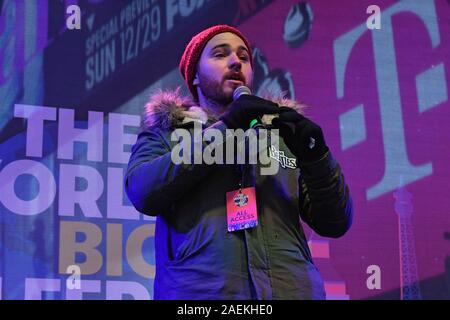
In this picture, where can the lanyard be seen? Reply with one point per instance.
(242, 172)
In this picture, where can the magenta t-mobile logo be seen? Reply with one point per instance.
(430, 87)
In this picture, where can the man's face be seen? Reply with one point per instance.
(223, 66)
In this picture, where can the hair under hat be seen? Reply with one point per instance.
(194, 49)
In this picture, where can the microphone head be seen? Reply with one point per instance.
(239, 91)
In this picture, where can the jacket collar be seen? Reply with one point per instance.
(169, 109)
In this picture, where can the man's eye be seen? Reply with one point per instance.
(219, 55)
(245, 58)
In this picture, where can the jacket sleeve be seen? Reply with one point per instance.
(324, 198)
(153, 182)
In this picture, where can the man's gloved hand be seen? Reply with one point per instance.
(302, 136)
(248, 107)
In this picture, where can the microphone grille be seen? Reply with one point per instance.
(239, 91)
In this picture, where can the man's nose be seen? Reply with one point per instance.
(234, 62)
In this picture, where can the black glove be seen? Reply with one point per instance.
(302, 136)
(248, 107)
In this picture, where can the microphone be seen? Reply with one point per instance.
(239, 91)
(258, 122)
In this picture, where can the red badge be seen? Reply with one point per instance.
(241, 209)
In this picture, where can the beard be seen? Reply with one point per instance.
(213, 90)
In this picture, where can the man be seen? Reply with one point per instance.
(197, 256)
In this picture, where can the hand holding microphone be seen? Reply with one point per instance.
(246, 109)
(302, 136)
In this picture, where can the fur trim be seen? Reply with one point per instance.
(195, 113)
(166, 109)
(169, 109)
(281, 100)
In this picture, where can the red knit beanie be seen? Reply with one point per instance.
(193, 51)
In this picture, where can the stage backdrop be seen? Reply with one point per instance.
(70, 107)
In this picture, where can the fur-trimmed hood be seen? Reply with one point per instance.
(169, 109)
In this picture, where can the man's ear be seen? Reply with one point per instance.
(196, 82)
